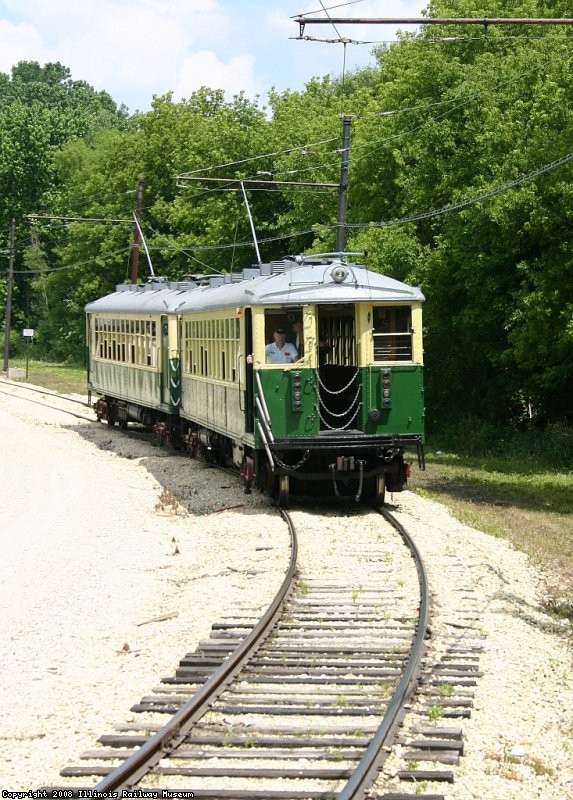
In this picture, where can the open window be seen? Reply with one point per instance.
(392, 333)
(284, 335)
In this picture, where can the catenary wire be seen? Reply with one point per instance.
(398, 221)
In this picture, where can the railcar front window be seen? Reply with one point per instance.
(392, 333)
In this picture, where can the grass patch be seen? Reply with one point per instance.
(62, 378)
(549, 446)
(519, 500)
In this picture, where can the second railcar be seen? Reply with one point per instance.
(133, 354)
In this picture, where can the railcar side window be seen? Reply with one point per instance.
(392, 333)
(210, 348)
(126, 341)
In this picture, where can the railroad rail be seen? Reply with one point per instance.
(302, 706)
(270, 684)
(23, 389)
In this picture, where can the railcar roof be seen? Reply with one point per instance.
(156, 297)
(311, 280)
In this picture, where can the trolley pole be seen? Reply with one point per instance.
(137, 236)
(9, 296)
(343, 186)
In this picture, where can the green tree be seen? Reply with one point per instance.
(460, 119)
(41, 108)
(98, 179)
(451, 136)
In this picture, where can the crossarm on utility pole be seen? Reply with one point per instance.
(302, 21)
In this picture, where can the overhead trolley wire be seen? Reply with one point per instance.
(411, 218)
(353, 226)
(469, 201)
(255, 158)
(64, 268)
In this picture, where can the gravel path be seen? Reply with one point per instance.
(95, 545)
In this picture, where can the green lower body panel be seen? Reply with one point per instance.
(343, 427)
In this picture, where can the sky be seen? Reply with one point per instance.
(135, 49)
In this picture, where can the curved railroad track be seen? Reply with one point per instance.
(41, 397)
(303, 705)
(322, 677)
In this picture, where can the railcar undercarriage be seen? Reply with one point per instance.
(350, 471)
(115, 411)
(354, 466)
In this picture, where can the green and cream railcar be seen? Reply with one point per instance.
(213, 380)
(341, 415)
(133, 353)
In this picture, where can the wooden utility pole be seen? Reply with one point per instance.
(137, 234)
(9, 296)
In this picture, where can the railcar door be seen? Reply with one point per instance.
(249, 377)
(338, 367)
(165, 390)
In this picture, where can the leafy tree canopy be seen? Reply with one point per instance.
(458, 181)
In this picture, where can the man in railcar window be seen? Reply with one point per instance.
(279, 351)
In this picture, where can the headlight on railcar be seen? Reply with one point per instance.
(339, 274)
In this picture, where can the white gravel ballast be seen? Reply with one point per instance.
(106, 581)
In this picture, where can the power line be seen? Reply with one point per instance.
(51, 270)
(470, 201)
(403, 220)
(79, 219)
(255, 182)
(256, 158)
